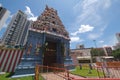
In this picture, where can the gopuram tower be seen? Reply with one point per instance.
(48, 43)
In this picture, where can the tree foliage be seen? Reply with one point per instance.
(116, 53)
(97, 52)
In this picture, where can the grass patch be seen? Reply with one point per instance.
(5, 77)
(10, 74)
(86, 72)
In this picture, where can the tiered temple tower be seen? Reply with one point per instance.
(47, 43)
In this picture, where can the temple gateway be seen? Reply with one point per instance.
(48, 43)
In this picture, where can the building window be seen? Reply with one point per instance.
(54, 30)
(53, 22)
(81, 54)
(84, 61)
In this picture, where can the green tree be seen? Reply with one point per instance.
(116, 53)
(97, 52)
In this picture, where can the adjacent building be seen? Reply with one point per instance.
(118, 43)
(108, 51)
(17, 30)
(4, 13)
(81, 55)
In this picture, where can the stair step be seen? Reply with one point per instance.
(16, 76)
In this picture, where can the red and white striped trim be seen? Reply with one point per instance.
(9, 59)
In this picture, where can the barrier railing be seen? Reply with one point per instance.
(39, 70)
(97, 79)
(110, 70)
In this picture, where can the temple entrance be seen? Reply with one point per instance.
(50, 55)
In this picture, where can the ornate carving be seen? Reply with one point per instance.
(49, 21)
(29, 48)
(38, 46)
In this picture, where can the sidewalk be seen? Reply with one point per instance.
(52, 76)
(2, 72)
(75, 76)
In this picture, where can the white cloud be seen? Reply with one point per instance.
(28, 11)
(93, 36)
(75, 39)
(89, 12)
(83, 29)
(101, 41)
(31, 16)
(111, 41)
(105, 45)
(74, 34)
(107, 4)
(103, 28)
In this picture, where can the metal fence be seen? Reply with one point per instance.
(110, 70)
(51, 73)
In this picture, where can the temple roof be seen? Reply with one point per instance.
(49, 21)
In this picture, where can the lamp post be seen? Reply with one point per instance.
(95, 43)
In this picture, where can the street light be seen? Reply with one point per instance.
(95, 43)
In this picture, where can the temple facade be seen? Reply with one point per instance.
(48, 43)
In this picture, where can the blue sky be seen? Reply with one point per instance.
(85, 20)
